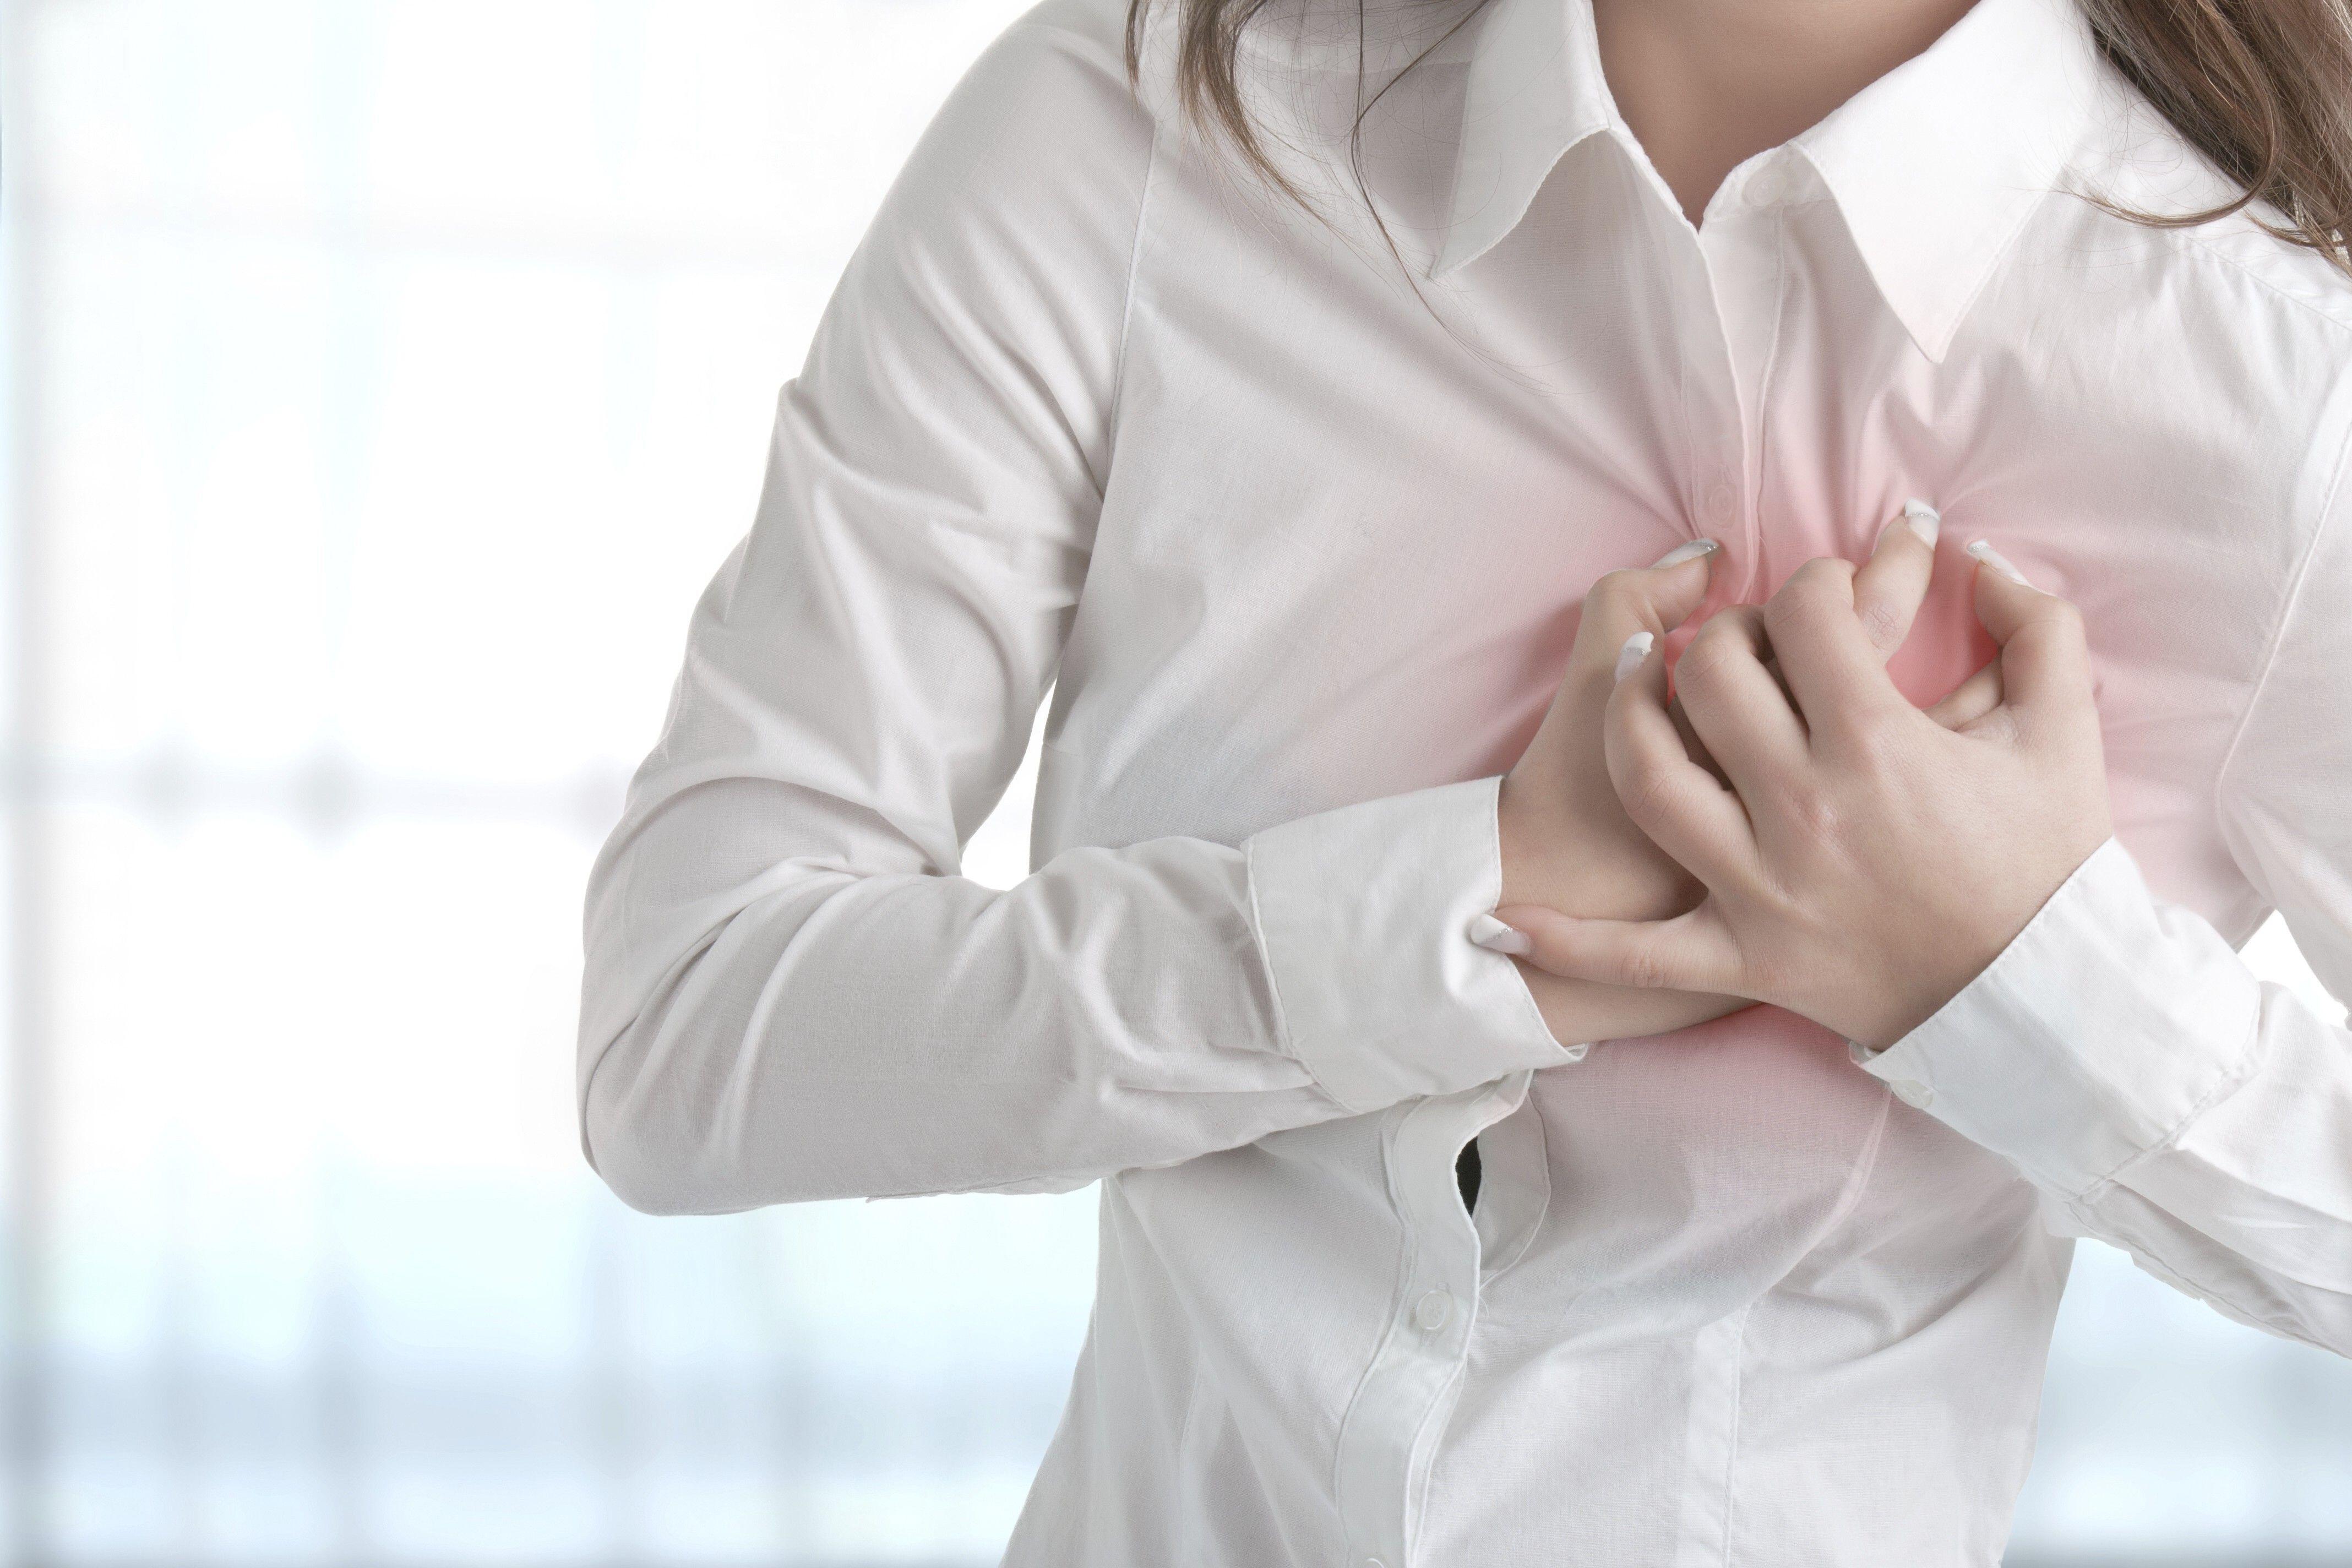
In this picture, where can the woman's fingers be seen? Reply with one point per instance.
(1836, 673)
(1692, 951)
(1653, 599)
(1739, 711)
(1692, 743)
(1887, 591)
(1685, 811)
(2045, 662)
(1971, 699)
(1889, 587)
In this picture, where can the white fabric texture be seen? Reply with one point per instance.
(1294, 528)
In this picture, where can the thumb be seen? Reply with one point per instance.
(1692, 951)
(1676, 582)
(1655, 598)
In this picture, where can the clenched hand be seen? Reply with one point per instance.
(1862, 859)
(1567, 842)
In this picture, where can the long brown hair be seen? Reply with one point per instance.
(2262, 87)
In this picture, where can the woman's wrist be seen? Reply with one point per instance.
(1529, 848)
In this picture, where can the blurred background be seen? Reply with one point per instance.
(383, 381)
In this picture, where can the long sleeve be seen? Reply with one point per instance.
(2122, 1055)
(789, 992)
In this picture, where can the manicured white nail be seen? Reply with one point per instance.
(1489, 933)
(1690, 550)
(1983, 551)
(1923, 520)
(1629, 656)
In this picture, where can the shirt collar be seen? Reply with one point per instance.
(1934, 166)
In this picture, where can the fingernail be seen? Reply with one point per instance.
(1983, 551)
(1489, 933)
(1688, 551)
(1629, 656)
(1923, 520)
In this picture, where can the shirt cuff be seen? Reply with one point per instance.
(1362, 916)
(2094, 1036)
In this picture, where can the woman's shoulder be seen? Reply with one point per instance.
(2135, 164)
(1087, 34)
(1010, 228)
(1062, 56)
(1043, 138)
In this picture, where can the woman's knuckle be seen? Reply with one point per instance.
(1814, 813)
(1647, 791)
(1709, 657)
(1789, 609)
(1879, 740)
(1883, 624)
(1643, 969)
(1617, 590)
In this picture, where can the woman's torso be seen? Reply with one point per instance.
(1724, 1280)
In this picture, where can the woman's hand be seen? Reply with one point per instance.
(1566, 840)
(1866, 859)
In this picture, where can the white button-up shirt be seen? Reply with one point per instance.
(1295, 529)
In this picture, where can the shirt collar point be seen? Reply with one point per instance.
(1930, 208)
(1932, 338)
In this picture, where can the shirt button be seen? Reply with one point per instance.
(1432, 1311)
(1769, 185)
(1911, 1091)
(1374, 1563)
(1718, 503)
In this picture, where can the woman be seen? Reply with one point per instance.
(1319, 501)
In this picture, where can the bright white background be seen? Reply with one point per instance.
(383, 381)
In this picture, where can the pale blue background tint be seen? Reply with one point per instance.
(383, 383)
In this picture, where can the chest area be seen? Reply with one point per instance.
(1347, 530)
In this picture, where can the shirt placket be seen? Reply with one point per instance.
(1725, 284)
(1391, 1430)
(1730, 313)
